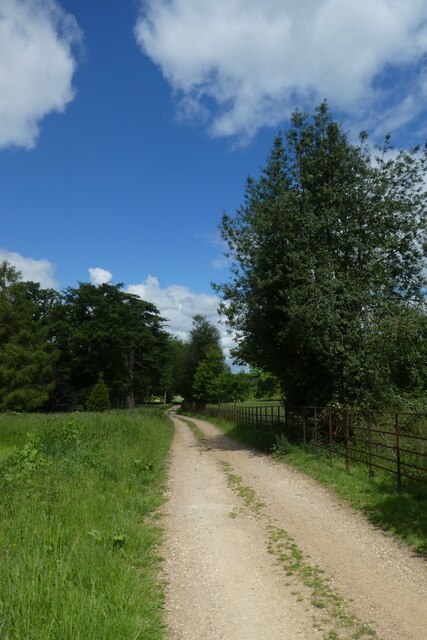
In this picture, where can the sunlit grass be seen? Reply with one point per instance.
(79, 534)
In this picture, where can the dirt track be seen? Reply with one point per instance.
(257, 551)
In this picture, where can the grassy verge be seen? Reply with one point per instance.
(78, 539)
(403, 514)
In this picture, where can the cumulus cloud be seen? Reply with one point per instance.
(36, 66)
(100, 276)
(179, 304)
(34, 269)
(249, 63)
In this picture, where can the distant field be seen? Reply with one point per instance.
(78, 540)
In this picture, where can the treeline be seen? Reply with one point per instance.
(328, 268)
(55, 346)
(201, 374)
(91, 347)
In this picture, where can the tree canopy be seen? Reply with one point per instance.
(27, 358)
(95, 346)
(203, 336)
(57, 348)
(328, 266)
(102, 329)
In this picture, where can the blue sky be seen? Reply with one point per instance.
(126, 128)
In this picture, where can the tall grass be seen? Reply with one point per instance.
(78, 532)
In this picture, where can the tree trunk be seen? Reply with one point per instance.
(130, 397)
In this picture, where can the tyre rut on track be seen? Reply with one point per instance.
(255, 550)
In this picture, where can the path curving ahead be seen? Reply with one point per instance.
(255, 550)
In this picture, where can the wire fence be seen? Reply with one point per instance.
(394, 442)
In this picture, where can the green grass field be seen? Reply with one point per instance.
(79, 534)
(403, 514)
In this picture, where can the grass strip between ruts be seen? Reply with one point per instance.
(330, 613)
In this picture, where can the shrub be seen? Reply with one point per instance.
(99, 396)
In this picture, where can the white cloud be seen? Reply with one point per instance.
(215, 240)
(41, 271)
(179, 304)
(100, 276)
(36, 66)
(255, 61)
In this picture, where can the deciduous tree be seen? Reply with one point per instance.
(203, 336)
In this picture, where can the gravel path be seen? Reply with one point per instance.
(257, 551)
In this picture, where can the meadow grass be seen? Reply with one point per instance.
(79, 534)
(403, 514)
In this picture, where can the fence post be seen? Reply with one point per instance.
(330, 435)
(315, 426)
(346, 430)
(371, 469)
(398, 462)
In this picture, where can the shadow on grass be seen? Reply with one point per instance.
(404, 513)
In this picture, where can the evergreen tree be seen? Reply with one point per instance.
(8, 275)
(203, 336)
(173, 380)
(99, 396)
(328, 251)
(103, 329)
(207, 375)
(27, 358)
